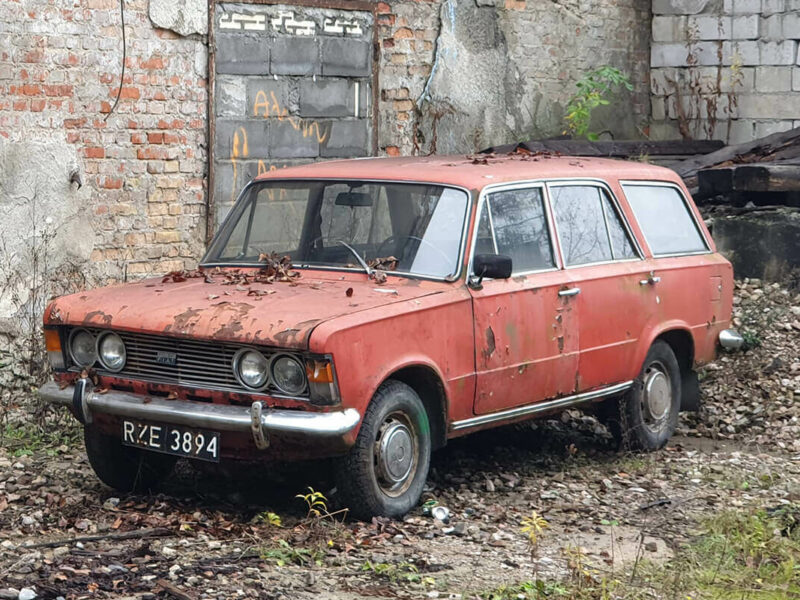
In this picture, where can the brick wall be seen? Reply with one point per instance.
(505, 70)
(146, 164)
(726, 70)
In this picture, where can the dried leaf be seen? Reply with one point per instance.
(349, 292)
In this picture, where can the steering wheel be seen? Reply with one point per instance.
(393, 239)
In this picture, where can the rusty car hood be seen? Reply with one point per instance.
(278, 314)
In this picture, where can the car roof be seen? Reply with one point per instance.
(475, 171)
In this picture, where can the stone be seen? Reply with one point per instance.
(242, 140)
(778, 53)
(746, 6)
(791, 27)
(651, 547)
(26, 594)
(347, 138)
(769, 7)
(231, 96)
(268, 98)
(242, 54)
(297, 138)
(745, 27)
(9, 594)
(346, 58)
(708, 27)
(327, 98)
(295, 56)
(773, 79)
(184, 18)
(668, 28)
(796, 79)
(678, 7)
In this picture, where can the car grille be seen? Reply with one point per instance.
(196, 364)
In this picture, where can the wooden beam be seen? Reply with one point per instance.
(613, 149)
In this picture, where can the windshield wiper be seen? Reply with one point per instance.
(360, 260)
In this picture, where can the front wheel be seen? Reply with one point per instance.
(385, 471)
(647, 415)
(124, 468)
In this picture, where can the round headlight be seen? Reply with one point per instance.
(111, 350)
(82, 348)
(289, 375)
(251, 369)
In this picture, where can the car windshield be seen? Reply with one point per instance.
(405, 228)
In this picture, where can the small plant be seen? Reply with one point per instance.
(533, 526)
(403, 571)
(270, 518)
(317, 503)
(596, 88)
(286, 554)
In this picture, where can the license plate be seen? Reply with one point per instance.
(172, 439)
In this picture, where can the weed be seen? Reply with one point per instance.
(595, 88)
(317, 503)
(286, 554)
(270, 518)
(533, 526)
(25, 439)
(400, 572)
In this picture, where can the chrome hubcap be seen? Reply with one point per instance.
(656, 396)
(396, 454)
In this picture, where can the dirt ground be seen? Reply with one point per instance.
(214, 534)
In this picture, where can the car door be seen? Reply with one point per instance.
(526, 335)
(606, 265)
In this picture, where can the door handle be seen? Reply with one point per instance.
(652, 280)
(570, 292)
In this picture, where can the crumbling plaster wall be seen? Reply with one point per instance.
(459, 75)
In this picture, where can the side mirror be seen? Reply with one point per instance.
(494, 266)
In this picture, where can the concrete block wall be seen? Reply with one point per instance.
(292, 84)
(726, 70)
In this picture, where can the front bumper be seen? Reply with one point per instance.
(260, 422)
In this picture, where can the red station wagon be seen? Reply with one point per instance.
(369, 310)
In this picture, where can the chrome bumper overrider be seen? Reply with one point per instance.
(730, 339)
(255, 419)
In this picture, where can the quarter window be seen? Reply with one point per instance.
(589, 228)
(665, 220)
(514, 223)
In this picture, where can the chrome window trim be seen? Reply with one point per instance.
(510, 186)
(687, 206)
(458, 274)
(615, 204)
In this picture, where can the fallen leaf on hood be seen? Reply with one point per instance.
(349, 292)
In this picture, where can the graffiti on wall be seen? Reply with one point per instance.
(293, 85)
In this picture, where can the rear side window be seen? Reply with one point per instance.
(589, 228)
(665, 219)
(514, 223)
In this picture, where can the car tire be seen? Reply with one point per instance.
(124, 468)
(646, 416)
(384, 473)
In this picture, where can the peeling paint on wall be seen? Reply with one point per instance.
(185, 18)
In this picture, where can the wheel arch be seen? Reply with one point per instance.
(429, 386)
(679, 338)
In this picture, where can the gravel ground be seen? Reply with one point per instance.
(207, 535)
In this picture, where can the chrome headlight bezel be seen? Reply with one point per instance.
(99, 352)
(237, 373)
(70, 346)
(274, 363)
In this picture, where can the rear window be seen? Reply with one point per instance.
(665, 219)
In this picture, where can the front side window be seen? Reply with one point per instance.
(665, 219)
(589, 228)
(413, 228)
(514, 223)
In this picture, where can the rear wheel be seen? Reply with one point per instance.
(646, 416)
(385, 471)
(124, 468)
